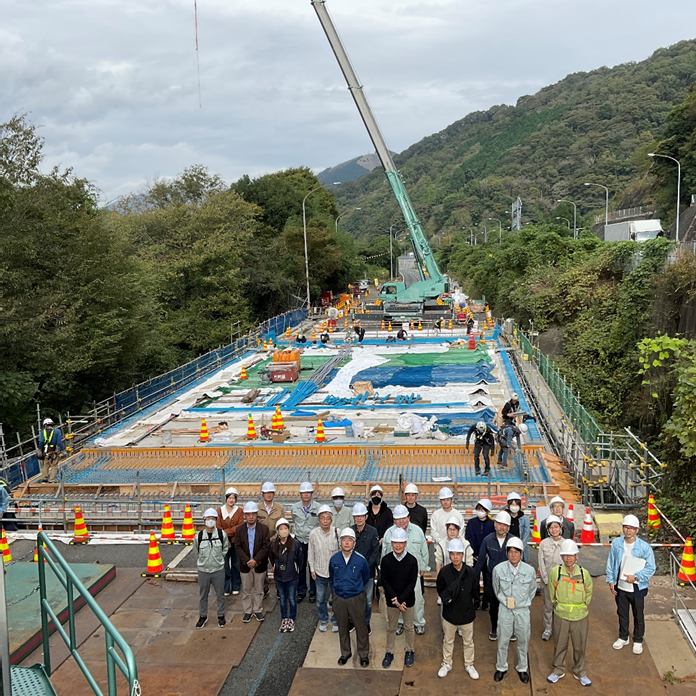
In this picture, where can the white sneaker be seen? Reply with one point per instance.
(323, 627)
(637, 648)
(553, 677)
(620, 643)
(471, 671)
(444, 670)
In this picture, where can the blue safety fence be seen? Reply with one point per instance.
(426, 375)
(23, 468)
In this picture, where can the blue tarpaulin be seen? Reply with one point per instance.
(425, 375)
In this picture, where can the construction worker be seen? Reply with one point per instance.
(470, 322)
(253, 542)
(455, 589)
(418, 547)
(514, 584)
(491, 553)
(269, 511)
(510, 409)
(301, 338)
(571, 593)
(438, 519)
(304, 519)
(630, 566)
(484, 441)
(210, 546)
(342, 513)
(51, 446)
(229, 518)
(402, 334)
(367, 545)
(325, 337)
(7, 517)
(549, 557)
(360, 333)
(323, 543)
(416, 512)
(520, 525)
(399, 577)
(505, 436)
(349, 575)
(379, 515)
(285, 556)
(477, 529)
(557, 507)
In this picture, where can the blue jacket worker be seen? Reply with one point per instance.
(210, 545)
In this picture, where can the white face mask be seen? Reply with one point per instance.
(481, 514)
(338, 503)
(210, 523)
(514, 508)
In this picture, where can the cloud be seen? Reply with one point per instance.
(113, 84)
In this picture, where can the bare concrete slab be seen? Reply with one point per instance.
(319, 681)
(672, 654)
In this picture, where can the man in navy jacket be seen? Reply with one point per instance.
(477, 529)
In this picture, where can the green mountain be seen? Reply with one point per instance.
(596, 126)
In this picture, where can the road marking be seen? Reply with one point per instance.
(266, 665)
(180, 557)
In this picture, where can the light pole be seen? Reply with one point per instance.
(304, 227)
(391, 253)
(575, 215)
(606, 205)
(657, 154)
(341, 215)
(566, 219)
(500, 229)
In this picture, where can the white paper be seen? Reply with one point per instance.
(632, 566)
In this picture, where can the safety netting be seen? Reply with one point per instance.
(426, 375)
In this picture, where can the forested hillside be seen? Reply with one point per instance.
(596, 126)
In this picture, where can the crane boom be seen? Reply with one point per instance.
(434, 284)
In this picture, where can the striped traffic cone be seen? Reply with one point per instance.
(450, 324)
(288, 333)
(265, 344)
(536, 537)
(204, 436)
(154, 560)
(384, 326)
(80, 533)
(279, 418)
(274, 421)
(314, 335)
(251, 430)
(321, 436)
(390, 327)
(687, 571)
(244, 374)
(36, 548)
(587, 534)
(420, 325)
(654, 521)
(167, 532)
(188, 531)
(5, 548)
(570, 515)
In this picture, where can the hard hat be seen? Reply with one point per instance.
(231, 491)
(515, 543)
(455, 545)
(282, 520)
(399, 535)
(631, 521)
(481, 426)
(268, 487)
(523, 427)
(411, 488)
(514, 397)
(552, 518)
(514, 496)
(453, 519)
(556, 499)
(445, 493)
(485, 503)
(503, 517)
(376, 488)
(359, 509)
(47, 421)
(338, 493)
(306, 487)
(323, 509)
(569, 548)
(210, 512)
(348, 532)
(251, 506)
(400, 511)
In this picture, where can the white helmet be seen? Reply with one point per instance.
(481, 426)
(323, 509)
(514, 496)
(569, 548)
(47, 421)
(515, 543)
(551, 519)
(555, 500)
(306, 487)
(231, 491)
(411, 488)
(400, 511)
(251, 506)
(503, 517)
(445, 493)
(523, 427)
(282, 520)
(359, 509)
(338, 493)
(348, 532)
(453, 519)
(268, 487)
(514, 397)
(485, 503)
(210, 512)
(630, 521)
(399, 535)
(376, 487)
(455, 545)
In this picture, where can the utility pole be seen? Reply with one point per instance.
(656, 154)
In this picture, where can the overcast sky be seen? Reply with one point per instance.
(113, 84)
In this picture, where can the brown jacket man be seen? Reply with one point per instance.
(262, 543)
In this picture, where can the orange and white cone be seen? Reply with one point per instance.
(167, 533)
(587, 535)
(205, 435)
(154, 559)
(5, 547)
(80, 534)
(536, 537)
(321, 436)
(251, 429)
(687, 571)
(654, 521)
(570, 515)
(188, 531)
(244, 374)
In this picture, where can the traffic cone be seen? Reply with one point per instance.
(383, 325)
(244, 374)
(265, 344)
(420, 325)
(321, 436)
(411, 325)
(687, 571)
(36, 548)
(450, 324)
(483, 339)
(536, 537)
(279, 419)
(5, 547)
(390, 327)
(314, 335)
(167, 532)
(204, 436)
(345, 323)
(570, 515)
(154, 560)
(654, 521)
(587, 535)
(472, 342)
(80, 533)
(288, 333)
(188, 531)
(274, 421)
(270, 344)
(251, 430)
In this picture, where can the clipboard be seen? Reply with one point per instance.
(632, 566)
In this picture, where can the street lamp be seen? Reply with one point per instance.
(606, 206)
(657, 154)
(575, 215)
(341, 215)
(500, 229)
(304, 227)
(566, 219)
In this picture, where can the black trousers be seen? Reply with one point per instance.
(478, 448)
(636, 602)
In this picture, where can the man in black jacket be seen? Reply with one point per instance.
(416, 512)
(455, 585)
(367, 545)
(484, 441)
(398, 575)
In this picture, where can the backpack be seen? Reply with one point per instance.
(582, 581)
(200, 537)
